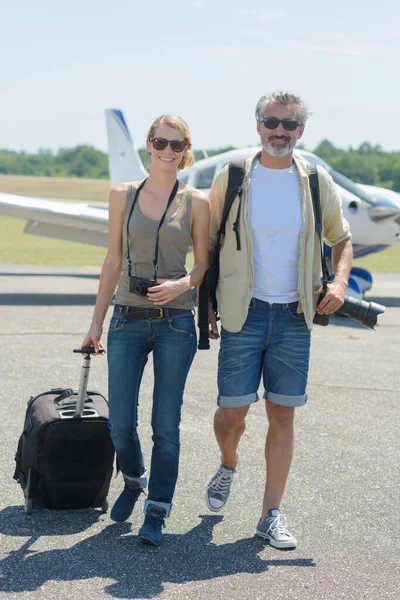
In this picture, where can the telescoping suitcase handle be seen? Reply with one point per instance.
(83, 383)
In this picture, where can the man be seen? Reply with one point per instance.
(267, 296)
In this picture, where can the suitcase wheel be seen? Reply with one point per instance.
(104, 506)
(28, 506)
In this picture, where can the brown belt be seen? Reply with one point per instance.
(136, 313)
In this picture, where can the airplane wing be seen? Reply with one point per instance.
(373, 213)
(72, 221)
(76, 221)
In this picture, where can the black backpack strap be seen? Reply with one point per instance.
(202, 318)
(314, 185)
(234, 188)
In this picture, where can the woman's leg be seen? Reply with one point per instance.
(127, 351)
(173, 352)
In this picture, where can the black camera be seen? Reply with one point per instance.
(140, 285)
(360, 310)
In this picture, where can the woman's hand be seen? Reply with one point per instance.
(93, 338)
(166, 290)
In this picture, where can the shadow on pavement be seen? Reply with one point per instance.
(388, 301)
(73, 275)
(14, 522)
(47, 299)
(137, 571)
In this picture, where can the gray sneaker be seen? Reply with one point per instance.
(219, 487)
(274, 529)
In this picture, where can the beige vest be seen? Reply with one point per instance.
(235, 284)
(174, 241)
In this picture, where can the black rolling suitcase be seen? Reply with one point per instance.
(65, 455)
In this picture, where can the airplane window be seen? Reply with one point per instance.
(351, 187)
(204, 178)
(183, 177)
(353, 207)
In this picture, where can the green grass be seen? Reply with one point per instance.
(88, 190)
(19, 248)
(387, 261)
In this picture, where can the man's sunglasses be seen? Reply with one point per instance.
(160, 143)
(273, 122)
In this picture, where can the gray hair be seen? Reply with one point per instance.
(284, 98)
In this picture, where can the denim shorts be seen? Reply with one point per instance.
(274, 342)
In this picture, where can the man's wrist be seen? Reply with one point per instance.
(341, 282)
(185, 283)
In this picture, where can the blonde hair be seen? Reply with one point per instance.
(182, 127)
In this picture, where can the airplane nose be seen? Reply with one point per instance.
(385, 210)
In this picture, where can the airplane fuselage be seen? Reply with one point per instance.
(362, 212)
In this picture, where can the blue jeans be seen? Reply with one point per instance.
(173, 343)
(274, 342)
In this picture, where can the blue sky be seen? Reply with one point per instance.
(209, 62)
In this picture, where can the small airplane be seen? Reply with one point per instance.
(373, 212)
(76, 221)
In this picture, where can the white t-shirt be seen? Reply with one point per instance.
(275, 218)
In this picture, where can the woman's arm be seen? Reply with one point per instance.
(200, 235)
(168, 290)
(112, 266)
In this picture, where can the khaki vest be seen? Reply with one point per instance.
(236, 267)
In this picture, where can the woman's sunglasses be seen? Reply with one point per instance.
(160, 143)
(273, 122)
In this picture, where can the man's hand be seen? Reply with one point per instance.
(333, 299)
(212, 324)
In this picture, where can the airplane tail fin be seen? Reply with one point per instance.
(124, 161)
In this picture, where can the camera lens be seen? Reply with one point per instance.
(139, 289)
(360, 310)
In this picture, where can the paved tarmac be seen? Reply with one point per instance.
(342, 498)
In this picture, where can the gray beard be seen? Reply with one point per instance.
(280, 150)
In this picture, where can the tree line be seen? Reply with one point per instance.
(366, 164)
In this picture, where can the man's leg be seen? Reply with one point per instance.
(285, 373)
(279, 448)
(239, 373)
(229, 426)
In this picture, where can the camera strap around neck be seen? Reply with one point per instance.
(135, 199)
(314, 184)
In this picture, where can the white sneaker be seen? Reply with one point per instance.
(219, 487)
(274, 529)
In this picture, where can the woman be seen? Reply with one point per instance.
(151, 226)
